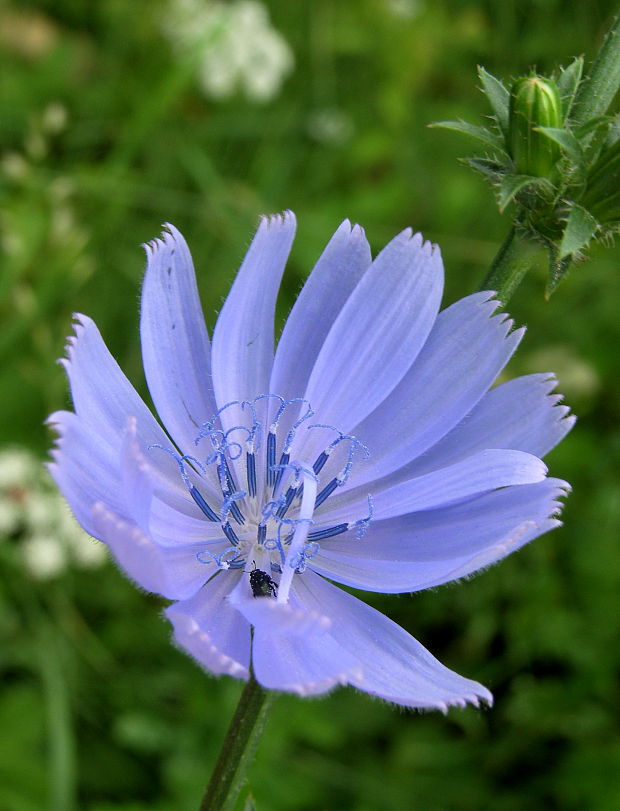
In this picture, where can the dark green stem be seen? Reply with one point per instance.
(597, 91)
(513, 260)
(239, 747)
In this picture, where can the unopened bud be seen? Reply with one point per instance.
(534, 102)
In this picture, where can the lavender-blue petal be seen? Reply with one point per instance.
(337, 272)
(305, 664)
(483, 471)
(169, 526)
(169, 518)
(104, 399)
(277, 618)
(394, 665)
(425, 549)
(175, 345)
(521, 414)
(85, 470)
(172, 571)
(378, 333)
(243, 340)
(466, 349)
(208, 628)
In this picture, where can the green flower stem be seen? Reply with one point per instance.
(513, 260)
(239, 747)
(597, 91)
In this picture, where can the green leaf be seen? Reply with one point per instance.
(511, 185)
(497, 95)
(597, 91)
(480, 133)
(558, 268)
(603, 140)
(491, 169)
(567, 141)
(597, 140)
(591, 126)
(568, 82)
(579, 230)
(614, 130)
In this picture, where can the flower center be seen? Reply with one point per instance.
(271, 497)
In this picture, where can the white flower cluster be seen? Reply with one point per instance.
(234, 44)
(34, 512)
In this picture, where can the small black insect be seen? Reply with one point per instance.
(261, 584)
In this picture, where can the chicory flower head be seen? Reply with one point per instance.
(366, 450)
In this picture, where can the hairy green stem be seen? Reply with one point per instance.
(239, 747)
(513, 260)
(597, 91)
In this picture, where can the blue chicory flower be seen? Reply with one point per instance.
(367, 450)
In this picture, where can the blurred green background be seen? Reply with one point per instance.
(118, 116)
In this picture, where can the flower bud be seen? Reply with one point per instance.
(602, 194)
(534, 102)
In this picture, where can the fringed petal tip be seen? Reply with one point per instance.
(80, 323)
(561, 490)
(356, 230)
(350, 230)
(491, 301)
(170, 239)
(414, 240)
(518, 537)
(58, 423)
(271, 221)
(61, 423)
(482, 699)
(490, 295)
(561, 412)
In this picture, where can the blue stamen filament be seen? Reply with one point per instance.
(326, 493)
(287, 501)
(328, 532)
(198, 498)
(230, 533)
(284, 460)
(236, 513)
(320, 462)
(271, 457)
(250, 460)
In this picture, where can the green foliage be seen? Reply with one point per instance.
(498, 97)
(580, 228)
(568, 83)
(555, 128)
(105, 134)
